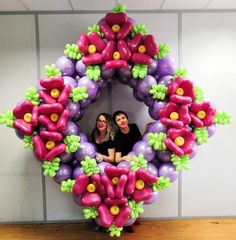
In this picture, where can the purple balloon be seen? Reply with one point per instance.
(85, 149)
(97, 96)
(153, 198)
(211, 130)
(138, 96)
(157, 127)
(158, 105)
(152, 113)
(79, 115)
(101, 166)
(64, 173)
(124, 164)
(149, 101)
(92, 86)
(145, 85)
(168, 170)
(75, 163)
(164, 156)
(129, 222)
(66, 157)
(65, 65)
(132, 82)
(19, 133)
(102, 83)
(80, 68)
(70, 81)
(71, 129)
(76, 198)
(166, 66)
(77, 171)
(194, 152)
(126, 72)
(152, 169)
(84, 103)
(74, 108)
(166, 80)
(145, 149)
(152, 68)
(83, 137)
(106, 73)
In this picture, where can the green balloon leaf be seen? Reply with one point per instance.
(199, 96)
(136, 208)
(67, 186)
(180, 162)
(93, 72)
(28, 143)
(52, 71)
(163, 51)
(78, 94)
(72, 143)
(181, 72)
(89, 166)
(158, 91)
(32, 96)
(95, 28)
(156, 140)
(201, 135)
(222, 118)
(115, 231)
(138, 162)
(161, 184)
(139, 71)
(73, 52)
(7, 119)
(50, 168)
(141, 28)
(90, 212)
(121, 7)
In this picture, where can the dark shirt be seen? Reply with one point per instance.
(104, 146)
(125, 142)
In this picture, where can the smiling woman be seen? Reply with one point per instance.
(103, 138)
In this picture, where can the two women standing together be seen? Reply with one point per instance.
(112, 147)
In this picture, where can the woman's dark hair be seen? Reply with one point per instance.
(110, 133)
(115, 114)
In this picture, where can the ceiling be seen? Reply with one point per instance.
(95, 5)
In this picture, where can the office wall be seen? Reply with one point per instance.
(204, 43)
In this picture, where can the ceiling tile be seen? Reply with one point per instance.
(184, 4)
(93, 4)
(11, 5)
(142, 5)
(219, 4)
(46, 5)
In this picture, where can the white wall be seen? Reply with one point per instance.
(205, 45)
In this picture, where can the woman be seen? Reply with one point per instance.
(126, 137)
(103, 138)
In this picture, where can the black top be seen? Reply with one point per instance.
(125, 142)
(104, 146)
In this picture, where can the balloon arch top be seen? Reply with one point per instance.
(47, 121)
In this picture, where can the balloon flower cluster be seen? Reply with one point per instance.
(114, 49)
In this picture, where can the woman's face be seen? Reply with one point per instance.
(101, 123)
(122, 121)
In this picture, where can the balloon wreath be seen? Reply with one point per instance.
(48, 120)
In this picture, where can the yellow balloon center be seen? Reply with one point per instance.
(115, 180)
(114, 210)
(139, 184)
(179, 141)
(54, 117)
(55, 93)
(180, 91)
(141, 49)
(201, 114)
(116, 55)
(174, 116)
(27, 117)
(116, 28)
(91, 49)
(50, 145)
(91, 187)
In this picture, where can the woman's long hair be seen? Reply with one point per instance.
(110, 133)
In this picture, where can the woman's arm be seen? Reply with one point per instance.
(119, 158)
(110, 158)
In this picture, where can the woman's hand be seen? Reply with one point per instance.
(128, 158)
(99, 157)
